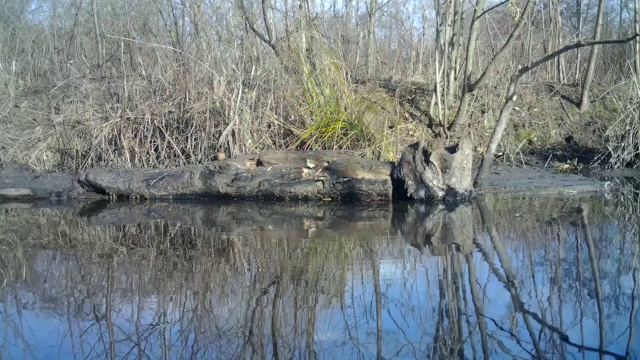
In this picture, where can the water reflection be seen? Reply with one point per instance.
(506, 277)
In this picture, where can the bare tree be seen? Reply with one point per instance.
(469, 85)
(98, 33)
(636, 23)
(578, 51)
(511, 97)
(267, 37)
(371, 37)
(588, 79)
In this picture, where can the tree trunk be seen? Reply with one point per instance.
(636, 22)
(558, 30)
(371, 37)
(579, 51)
(469, 63)
(503, 120)
(584, 101)
(455, 43)
(469, 87)
(96, 26)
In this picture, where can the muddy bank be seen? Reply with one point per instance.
(541, 181)
(26, 184)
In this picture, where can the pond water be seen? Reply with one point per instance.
(508, 276)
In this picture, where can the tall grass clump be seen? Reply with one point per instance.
(329, 105)
(334, 117)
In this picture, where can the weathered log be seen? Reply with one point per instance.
(436, 173)
(302, 158)
(295, 176)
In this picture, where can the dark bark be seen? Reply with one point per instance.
(436, 173)
(320, 178)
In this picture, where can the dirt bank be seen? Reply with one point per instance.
(541, 181)
(27, 184)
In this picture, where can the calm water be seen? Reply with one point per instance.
(506, 277)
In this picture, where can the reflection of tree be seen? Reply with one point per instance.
(375, 269)
(108, 312)
(595, 271)
(511, 284)
(477, 305)
(509, 279)
(634, 298)
(162, 290)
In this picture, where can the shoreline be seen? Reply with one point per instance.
(19, 183)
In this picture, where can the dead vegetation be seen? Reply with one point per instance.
(165, 84)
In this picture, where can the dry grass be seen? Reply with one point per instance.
(168, 118)
(176, 114)
(622, 137)
(155, 85)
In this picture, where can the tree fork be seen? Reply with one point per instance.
(511, 97)
(469, 86)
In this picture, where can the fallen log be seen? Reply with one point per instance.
(292, 175)
(424, 173)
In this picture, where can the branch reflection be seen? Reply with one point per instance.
(509, 276)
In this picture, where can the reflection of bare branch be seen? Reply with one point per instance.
(558, 283)
(457, 274)
(489, 260)
(580, 289)
(352, 337)
(275, 314)
(467, 316)
(311, 326)
(108, 311)
(375, 266)
(477, 306)
(507, 331)
(509, 282)
(255, 319)
(634, 294)
(437, 338)
(140, 336)
(596, 273)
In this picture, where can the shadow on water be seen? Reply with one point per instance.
(506, 277)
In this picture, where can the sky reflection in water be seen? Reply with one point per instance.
(507, 277)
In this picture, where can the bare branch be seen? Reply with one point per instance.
(503, 49)
(265, 18)
(511, 97)
(264, 38)
(491, 8)
(577, 45)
